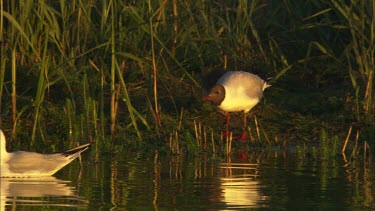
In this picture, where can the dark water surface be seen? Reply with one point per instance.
(140, 181)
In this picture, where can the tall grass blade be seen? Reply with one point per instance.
(132, 110)
(2, 73)
(14, 22)
(14, 87)
(42, 86)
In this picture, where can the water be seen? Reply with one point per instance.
(140, 181)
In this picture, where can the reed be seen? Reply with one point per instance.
(228, 146)
(250, 134)
(203, 136)
(346, 140)
(213, 142)
(324, 144)
(119, 67)
(257, 128)
(355, 150)
(353, 25)
(14, 87)
(328, 145)
(360, 52)
(2, 72)
(43, 85)
(112, 18)
(155, 86)
(198, 136)
(264, 133)
(174, 145)
(70, 115)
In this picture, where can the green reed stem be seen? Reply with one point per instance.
(14, 87)
(155, 87)
(3, 60)
(361, 25)
(113, 68)
(43, 84)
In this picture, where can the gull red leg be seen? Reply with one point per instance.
(226, 134)
(243, 137)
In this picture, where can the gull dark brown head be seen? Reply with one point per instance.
(216, 95)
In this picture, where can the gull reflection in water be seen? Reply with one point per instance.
(240, 187)
(42, 191)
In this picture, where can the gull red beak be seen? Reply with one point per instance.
(208, 97)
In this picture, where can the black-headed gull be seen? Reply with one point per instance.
(237, 91)
(32, 164)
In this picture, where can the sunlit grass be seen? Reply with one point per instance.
(120, 71)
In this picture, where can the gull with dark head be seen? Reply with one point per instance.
(237, 91)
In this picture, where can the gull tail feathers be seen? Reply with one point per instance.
(265, 85)
(76, 151)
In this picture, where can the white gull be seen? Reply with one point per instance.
(237, 91)
(32, 164)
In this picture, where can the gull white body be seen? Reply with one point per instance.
(243, 91)
(32, 164)
(237, 91)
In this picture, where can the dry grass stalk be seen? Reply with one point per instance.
(196, 132)
(347, 139)
(174, 145)
(250, 134)
(221, 141)
(200, 133)
(154, 75)
(229, 144)
(364, 153)
(265, 134)
(180, 122)
(177, 144)
(213, 141)
(171, 142)
(345, 160)
(356, 142)
(175, 27)
(369, 85)
(257, 128)
(205, 138)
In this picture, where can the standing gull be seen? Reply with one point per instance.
(32, 164)
(237, 91)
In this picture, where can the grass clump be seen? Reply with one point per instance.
(121, 71)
